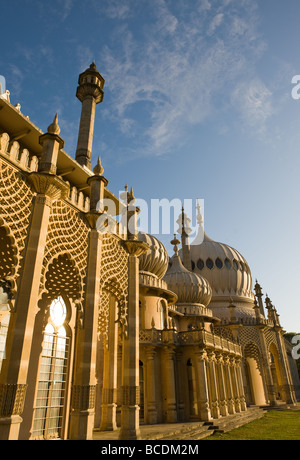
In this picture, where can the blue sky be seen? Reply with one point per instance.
(197, 105)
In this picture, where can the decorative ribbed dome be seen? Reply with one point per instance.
(156, 259)
(189, 287)
(224, 267)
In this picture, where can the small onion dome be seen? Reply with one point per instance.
(156, 259)
(189, 287)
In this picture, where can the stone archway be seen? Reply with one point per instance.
(276, 371)
(254, 375)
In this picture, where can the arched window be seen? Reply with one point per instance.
(5, 296)
(200, 264)
(210, 264)
(51, 391)
(161, 311)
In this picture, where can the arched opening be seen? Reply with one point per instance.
(161, 315)
(192, 389)
(253, 372)
(275, 370)
(7, 270)
(49, 408)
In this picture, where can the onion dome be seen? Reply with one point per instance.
(156, 259)
(189, 287)
(223, 266)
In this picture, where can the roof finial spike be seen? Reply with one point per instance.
(54, 128)
(199, 214)
(98, 169)
(175, 243)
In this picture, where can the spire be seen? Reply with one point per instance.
(51, 143)
(175, 242)
(97, 183)
(54, 128)
(184, 229)
(200, 234)
(98, 169)
(259, 294)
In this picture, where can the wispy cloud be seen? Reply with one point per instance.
(254, 103)
(181, 68)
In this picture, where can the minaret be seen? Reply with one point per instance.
(259, 294)
(90, 93)
(184, 229)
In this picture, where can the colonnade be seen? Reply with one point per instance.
(218, 385)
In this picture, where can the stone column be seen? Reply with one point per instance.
(202, 385)
(14, 372)
(240, 387)
(215, 409)
(181, 379)
(150, 385)
(169, 389)
(84, 379)
(130, 358)
(237, 403)
(109, 392)
(221, 385)
(228, 382)
(119, 383)
(130, 398)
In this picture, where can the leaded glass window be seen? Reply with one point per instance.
(50, 398)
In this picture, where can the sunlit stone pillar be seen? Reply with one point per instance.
(169, 389)
(237, 403)
(229, 388)
(215, 410)
(221, 384)
(202, 385)
(151, 387)
(109, 392)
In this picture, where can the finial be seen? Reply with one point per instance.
(93, 65)
(131, 197)
(199, 215)
(98, 169)
(54, 128)
(175, 243)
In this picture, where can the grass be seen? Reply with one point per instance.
(274, 426)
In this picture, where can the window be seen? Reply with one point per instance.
(219, 263)
(210, 264)
(49, 404)
(5, 296)
(235, 265)
(227, 264)
(3, 335)
(200, 264)
(161, 311)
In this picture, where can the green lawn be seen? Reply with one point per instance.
(274, 426)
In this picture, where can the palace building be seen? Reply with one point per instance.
(103, 330)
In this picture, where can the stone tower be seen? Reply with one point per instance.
(89, 92)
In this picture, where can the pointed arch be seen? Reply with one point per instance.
(254, 374)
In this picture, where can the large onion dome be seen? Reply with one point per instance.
(156, 259)
(190, 287)
(225, 268)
